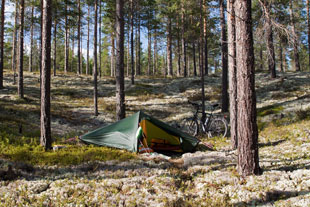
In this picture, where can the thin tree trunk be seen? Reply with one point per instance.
(284, 59)
(128, 50)
(132, 43)
(224, 52)
(72, 54)
(31, 40)
(112, 55)
(149, 50)
(66, 41)
(232, 70)
(14, 47)
(183, 42)
(100, 72)
(295, 38)
(55, 45)
(248, 160)
(120, 94)
(155, 53)
(2, 43)
(81, 49)
(261, 58)
(202, 35)
(46, 139)
(169, 48)
(79, 39)
(194, 58)
(21, 51)
(178, 48)
(88, 28)
(139, 46)
(95, 61)
(281, 55)
(269, 38)
(206, 64)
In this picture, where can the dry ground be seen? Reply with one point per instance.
(203, 178)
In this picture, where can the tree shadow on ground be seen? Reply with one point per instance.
(271, 144)
(271, 197)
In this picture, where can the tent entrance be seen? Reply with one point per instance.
(158, 139)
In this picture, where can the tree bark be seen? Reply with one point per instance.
(202, 41)
(100, 72)
(72, 54)
(14, 47)
(55, 45)
(132, 43)
(88, 28)
(149, 48)
(232, 70)
(178, 49)
(46, 139)
(183, 41)
(79, 38)
(2, 43)
(112, 55)
(206, 64)
(21, 51)
(281, 55)
(248, 161)
(139, 46)
(295, 38)
(155, 52)
(95, 60)
(66, 40)
(31, 40)
(120, 94)
(269, 38)
(194, 58)
(224, 52)
(261, 58)
(169, 48)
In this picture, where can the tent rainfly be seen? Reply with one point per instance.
(126, 134)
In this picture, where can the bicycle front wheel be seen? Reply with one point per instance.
(218, 128)
(190, 126)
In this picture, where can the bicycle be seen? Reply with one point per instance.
(213, 126)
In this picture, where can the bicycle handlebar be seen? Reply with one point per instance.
(213, 106)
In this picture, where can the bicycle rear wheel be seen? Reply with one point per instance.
(218, 128)
(190, 126)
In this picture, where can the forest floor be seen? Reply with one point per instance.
(202, 178)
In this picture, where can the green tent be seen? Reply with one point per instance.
(126, 134)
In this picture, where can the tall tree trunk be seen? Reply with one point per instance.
(120, 94)
(295, 38)
(139, 46)
(112, 55)
(194, 58)
(178, 48)
(46, 139)
(81, 50)
(269, 38)
(308, 22)
(232, 70)
(149, 49)
(72, 54)
(21, 51)
(66, 40)
(79, 38)
(281, 55)
(206, 64)
(31, 40)
(202, 35)
(169, 48)
(132, 43)
(100, 39)
(155, 53)
(261, 58)
(183, 42)
(95, 60)
(128, 49)
(14, 47)
(55, 45)
(284, 59)
(248, 161)
(2, 43)
(224, 52)
(88, 29)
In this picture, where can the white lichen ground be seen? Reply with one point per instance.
(203, 178)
